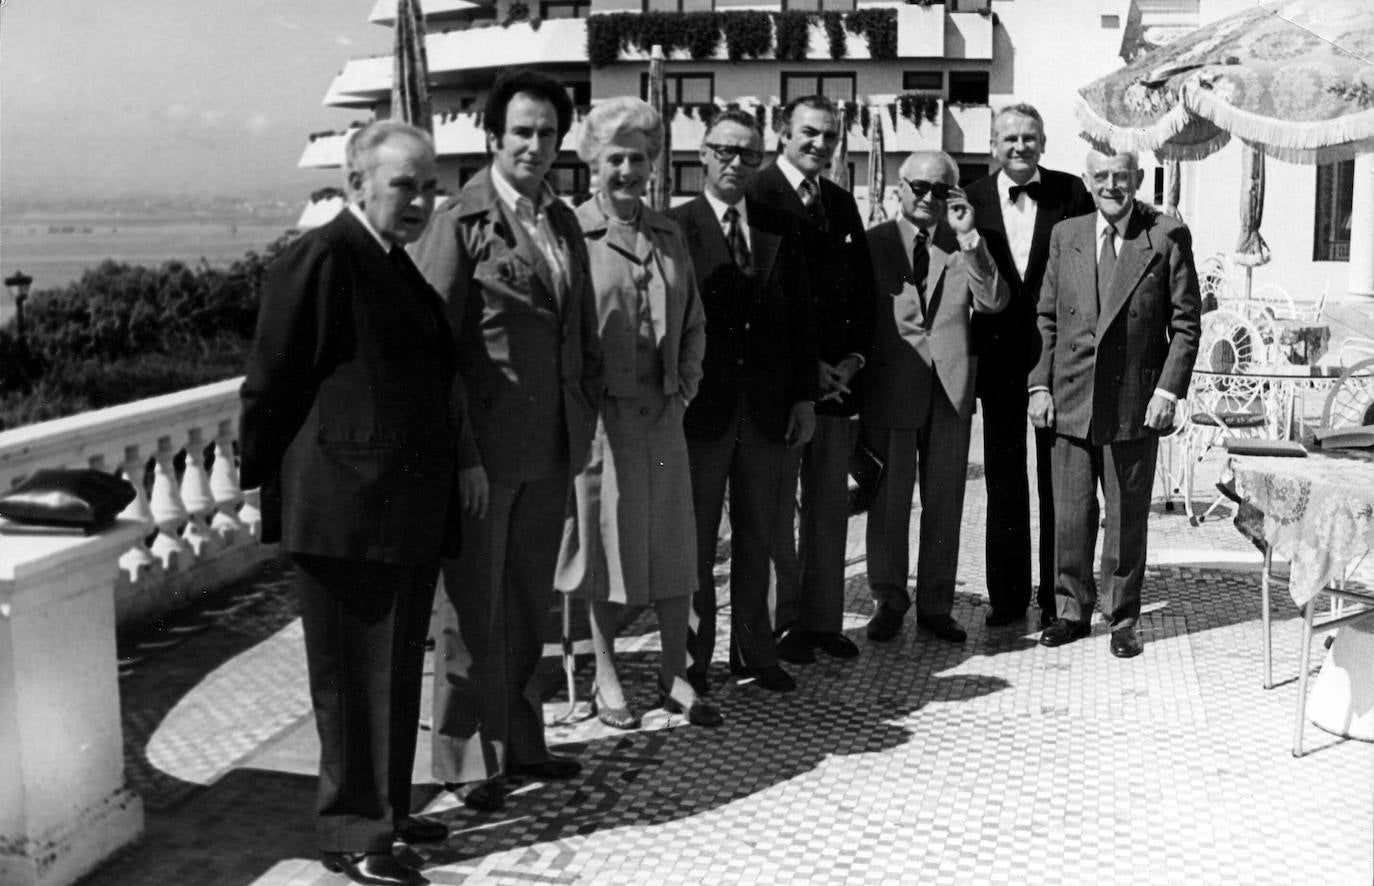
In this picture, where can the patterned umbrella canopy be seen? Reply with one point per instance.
(410, 74)
(877, 173)
(1294, 78)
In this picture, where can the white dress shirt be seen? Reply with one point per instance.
(1019, 220)
(534, 219)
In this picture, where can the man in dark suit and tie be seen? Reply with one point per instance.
(1119, 321)
(349, 430)
(509, 260)
(933, 274)
(1016, 209)
(810, 572)
(757, 394)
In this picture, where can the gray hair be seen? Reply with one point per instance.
(361, 150)
(1019, 109)
(922, 156)
(617, 116)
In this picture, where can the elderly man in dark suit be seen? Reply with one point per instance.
(348, 428)
(757, 393)
(1017, 207)
(933, 274)
(810, 572)
(509, 260)
(1119, 321)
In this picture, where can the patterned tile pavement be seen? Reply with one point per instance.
(992, 762)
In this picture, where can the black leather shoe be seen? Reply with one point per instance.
(835, 645)
(1001, 617)
(554, 768)
(1046, 618)
(795, 648)
(1126, 643)
(773, 678)
(373, 868)
(943, 626)
(415, 829)
(1064, 631)
(885, 624)
(700, 683)
(699, 713)
(483, 796)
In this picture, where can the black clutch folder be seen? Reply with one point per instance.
(1257, 446)
(80, 498)
(865, 472)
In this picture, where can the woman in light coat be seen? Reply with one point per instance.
(634, 539)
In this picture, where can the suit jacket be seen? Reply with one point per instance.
(1103, 363)
(760, 325)
(528, 351)
(1009, 343)
(841, 273)
(912, 348)
(347, 422)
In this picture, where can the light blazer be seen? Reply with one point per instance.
(760, 325)
(1103, 365)
(670, 286)
(1008, 344)
(509, 315)
(911, 349)
(347, 423)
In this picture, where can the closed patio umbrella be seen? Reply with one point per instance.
(410, 71)
(877, 171)
(1251, 250)
(661, 185)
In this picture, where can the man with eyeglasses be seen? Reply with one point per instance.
(757, 394)
(1119, 321)
(810, 570)
(933, 272)
(1017, 206)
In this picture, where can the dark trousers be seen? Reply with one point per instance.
(1126, 472)
(489, 633)
(751, 465)
(1008, 542)
(810, 572)
(361, 622)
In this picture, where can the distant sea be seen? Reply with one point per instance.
(55, 249)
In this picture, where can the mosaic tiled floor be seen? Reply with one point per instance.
(992, 762)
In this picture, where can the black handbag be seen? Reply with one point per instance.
(81, 498)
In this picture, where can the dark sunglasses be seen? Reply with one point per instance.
(726, 153)
(920, 187)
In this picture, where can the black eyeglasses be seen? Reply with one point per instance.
(726, 153)
(920, 187)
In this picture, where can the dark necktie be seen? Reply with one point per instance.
(920, 268)
(1106, 263)
(1030, 189)
(734, 238)
(811, 198)
(401, 260)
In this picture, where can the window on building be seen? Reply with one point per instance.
(662, 5)
(923, 81)
(1335, 200)
(564, 8)
(838, 87)
(971, 172)
(1111, 22)
(968, 87)
(683, 89)
(569, 179)
(689, 178)
(580, 91)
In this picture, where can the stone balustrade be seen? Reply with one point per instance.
(178, 449)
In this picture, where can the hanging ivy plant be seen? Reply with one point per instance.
(878, 27)
(793, 37)
(835, 34)
(518, 11)
(604, 37)
(917, 106)
(865, 117)
(707, 112)
(703, 34)
(748, 34)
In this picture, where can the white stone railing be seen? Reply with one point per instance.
(202, 529)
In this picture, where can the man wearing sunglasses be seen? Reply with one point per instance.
(933, 272)
(810, 571)
(1016, 208)
(757, 394)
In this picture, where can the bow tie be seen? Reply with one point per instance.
(1030, 189)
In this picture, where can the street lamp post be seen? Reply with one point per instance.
(18, 284)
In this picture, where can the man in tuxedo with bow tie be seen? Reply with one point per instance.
(933, 273)
(1016, 209)
(810, 570)
(757, 394)
(1119, 321)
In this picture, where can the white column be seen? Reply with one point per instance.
(1361, 273)
(64, 806)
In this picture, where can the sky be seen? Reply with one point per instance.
(171, 98)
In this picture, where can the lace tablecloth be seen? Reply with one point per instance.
(1318, 513)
